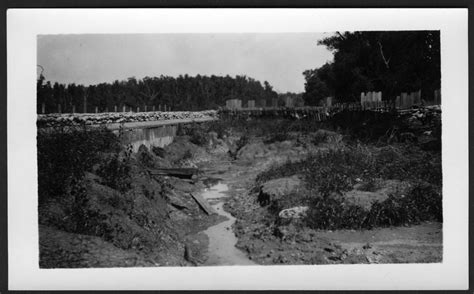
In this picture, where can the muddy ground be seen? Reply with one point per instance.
(266, 243)
(170, 230)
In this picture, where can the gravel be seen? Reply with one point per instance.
(77, 119)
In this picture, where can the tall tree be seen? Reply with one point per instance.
(387, 61)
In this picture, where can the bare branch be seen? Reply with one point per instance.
(340, 35)
(383, 56)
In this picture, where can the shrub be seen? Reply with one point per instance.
(145, 157)
(331, 213)
(422, 203)
(243, 140)
(199, 137)
(336, 170)
(84, 220)
(115, 171)
(329, 174)
(64, 155)
(367, 125)
(319, 138)
(285, 170)
(188, 154)
(158, 151)
(221, 127)
(278, 137)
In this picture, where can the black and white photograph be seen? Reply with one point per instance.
(239, 149)
(224, 149)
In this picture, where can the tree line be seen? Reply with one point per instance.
(387, 61)
(182, 93)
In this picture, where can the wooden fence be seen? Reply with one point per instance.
(368, 101)
(371, 99)
(408, 100)
(233, 104)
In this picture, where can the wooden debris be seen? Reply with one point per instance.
(186, 173)
(203, 204)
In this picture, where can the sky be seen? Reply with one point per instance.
(89, 59)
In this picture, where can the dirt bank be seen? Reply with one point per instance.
(123, 215)
(266, 239)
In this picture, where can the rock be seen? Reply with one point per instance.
(188, 255)
(99, 118)
(364, 199)
(278, 188)
(252, 151)
(294, 212)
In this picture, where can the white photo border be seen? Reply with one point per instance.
(23, 26)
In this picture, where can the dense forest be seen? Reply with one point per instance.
(387, 61)
(181, 93)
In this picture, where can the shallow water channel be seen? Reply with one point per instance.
(222, 250)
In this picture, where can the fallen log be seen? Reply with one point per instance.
(186, 173)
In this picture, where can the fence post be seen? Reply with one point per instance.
(403, 99)
(124, 109)
(115, 108)
(145, 108)
(96, 109)
(59, 108)
(106, 109)
(165, 108)
(43, 106)
(138, 108)
(418, 97)
(74, 109)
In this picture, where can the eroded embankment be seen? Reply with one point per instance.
(345, 203)
(130, 217)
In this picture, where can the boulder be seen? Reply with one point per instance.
(364, 199)
(279, 188)
(383, 188)
(252, 151)
(294, 212)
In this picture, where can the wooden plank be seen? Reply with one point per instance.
(203, 204)
(178, 172)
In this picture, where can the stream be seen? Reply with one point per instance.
(222, 240)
